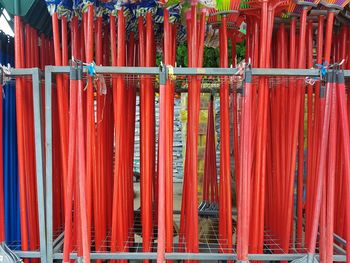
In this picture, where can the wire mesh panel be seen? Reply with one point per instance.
(283, 197)
(23, 163)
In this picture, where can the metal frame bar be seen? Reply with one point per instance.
(39, 149)
(285, 72)
(155, 71)
(194, 256)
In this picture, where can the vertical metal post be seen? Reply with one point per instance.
(39, 161)
(48, 133)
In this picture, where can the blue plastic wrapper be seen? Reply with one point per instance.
(99, 8)
(65, 8)
(146, 6)
(52, 5)
(111, 7)
(174, 13)
(62, 7)
(86, 4)
(158, 16)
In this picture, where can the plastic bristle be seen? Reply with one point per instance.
(244, 4)
(342, 3)
(294, 8)
(223, 5)
(235, 4)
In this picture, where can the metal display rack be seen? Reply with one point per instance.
(55, 240)
(35, 75)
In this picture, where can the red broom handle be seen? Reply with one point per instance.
(162, 156)
(224, 99)
(64, 40)
(299, 100)
(71, 164)
(90, 124)
(246, 161)
(77, 219)
(320, 171)
(41, 52)
(344, 121)
(184, 204)
(82, 177)
(168, 60)
(147, 161)
(100, 175)
(62, 101)
(343, 42)
(328, 39)
(310, 129)
(36, 46)
(330, 182)
(28, 141)
(222, 196)
(317, 125)
(260, 139)
(119, 231)
(19, 63)
(192, 139)
(300, 173)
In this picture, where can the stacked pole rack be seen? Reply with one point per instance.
(163, 72)
(35, 74)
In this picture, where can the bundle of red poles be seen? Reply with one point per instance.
(30, 52)
(289, 136)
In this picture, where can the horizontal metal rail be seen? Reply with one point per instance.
(28, 254)
(177, 71)
(192, 256)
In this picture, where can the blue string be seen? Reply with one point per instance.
(91, 69)
(323, 68)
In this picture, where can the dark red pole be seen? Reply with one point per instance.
(99, 178)
(294, 136)
(225, 137)
(147, 133)
(62, 97)
(324, 141)
(184, 204)
(163, 206)
(246, 161)
(192, 140)
(119, 231)
(330, 181)
(82, 174)
(71, 160)
(260, 139)
(344, 121)
(90, 123)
